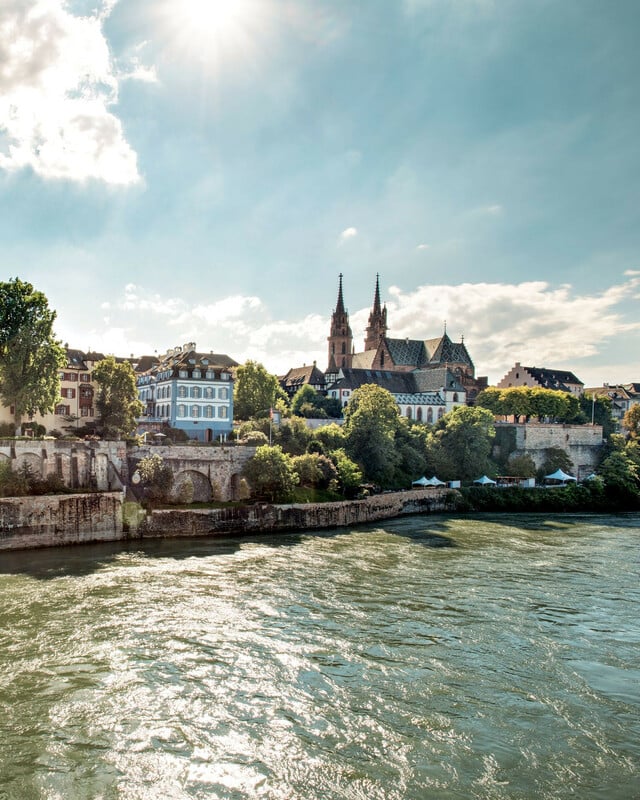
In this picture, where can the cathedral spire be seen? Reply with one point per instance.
(340, 337)
(377, 327)
(340, 303)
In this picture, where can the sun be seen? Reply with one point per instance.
(212, 29)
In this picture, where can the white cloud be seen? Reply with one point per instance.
(348, 233)
(423, 247)
(491, 210)
(531, 322)
(57, 85)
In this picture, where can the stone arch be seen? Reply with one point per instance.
(31, 461)
(202, 489)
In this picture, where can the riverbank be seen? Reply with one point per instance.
(48, 521)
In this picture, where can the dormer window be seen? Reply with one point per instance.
(196, 373)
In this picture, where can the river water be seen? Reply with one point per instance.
(427, 657)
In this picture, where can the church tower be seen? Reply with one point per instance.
(377, 327)
(340, 337)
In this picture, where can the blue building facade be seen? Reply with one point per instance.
(189, 391)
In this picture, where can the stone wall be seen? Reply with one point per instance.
(28, 522)
(81, 465)
(214, 473)
(265, 518)
(582, 443)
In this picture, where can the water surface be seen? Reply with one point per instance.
(495, 657)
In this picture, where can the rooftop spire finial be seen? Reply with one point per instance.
(340, 304)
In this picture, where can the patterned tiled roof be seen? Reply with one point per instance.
(406, 352)
(553, 378)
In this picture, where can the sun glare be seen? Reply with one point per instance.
(213, 28)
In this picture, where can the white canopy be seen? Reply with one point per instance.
(428, 482)
(484, 480)
(559, 475)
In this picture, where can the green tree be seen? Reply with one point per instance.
(255, 391)
(619, 472)
(522, 466)
(631, 420)
(117, 398)
(307, 402)
(598, 408)
(371, 424)
(491, 399)
(270, 473)
(30, 356)
(349, 473)
(156, 478)
(465, 437)
(556, 458)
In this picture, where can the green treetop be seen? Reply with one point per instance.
(255, 391)
(117, 398)
(30, 356)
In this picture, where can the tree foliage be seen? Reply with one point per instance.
(462, 440)
(255, 391)
(157, 477)
(527, 402)
(117, 398)
(555, 458)
(631, 421)
(270, 473)
(371, 424)
(30, 356)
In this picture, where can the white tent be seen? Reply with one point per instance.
(421, 482)
(484, 481)
(435, 482)
(559, 475)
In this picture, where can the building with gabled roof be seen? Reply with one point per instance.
(188, 390)
(422, 395)
(540, 377)
(297, 377)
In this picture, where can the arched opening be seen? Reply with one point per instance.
(419, 414)
(193, 486)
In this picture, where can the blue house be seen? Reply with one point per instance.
(187, 390)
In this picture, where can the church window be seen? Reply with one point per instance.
(455, 397)
(440, 413)
(419, 414)
(382, 359)
(344, 347)
(408, 412)
(429, 415)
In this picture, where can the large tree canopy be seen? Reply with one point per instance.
(30, 356)
(463, 440)
(255, 391)
(117, 398)
(371, 424)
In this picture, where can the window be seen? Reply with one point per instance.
(182, 411)
(419, 414)
(183, 373)
(455, 397)
(196, 373)
(208, 412)
(408, 412)
(195, 411)
(85, 377)
(182, 391)
(68, 393)
(208, 393)
(440, 413)
(429, 414)
(195, 392)
(62, 411)
(210, 375)
(224, 376)
(223, 412)
(223, 394)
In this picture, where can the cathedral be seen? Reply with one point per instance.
(427, 377)
(384, 354)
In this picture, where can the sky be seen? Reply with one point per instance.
(202, 171)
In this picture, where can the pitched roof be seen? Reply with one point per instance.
(442, 350)
(553, 378)
(436, 378)
(299, 376)
(363, 360)
(394, 382)
(406, 352)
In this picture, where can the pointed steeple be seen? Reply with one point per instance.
(377, 327)
(340, 336)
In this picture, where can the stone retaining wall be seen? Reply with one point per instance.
(28, 522)
(265, 518)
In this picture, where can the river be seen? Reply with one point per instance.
(425, 657)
